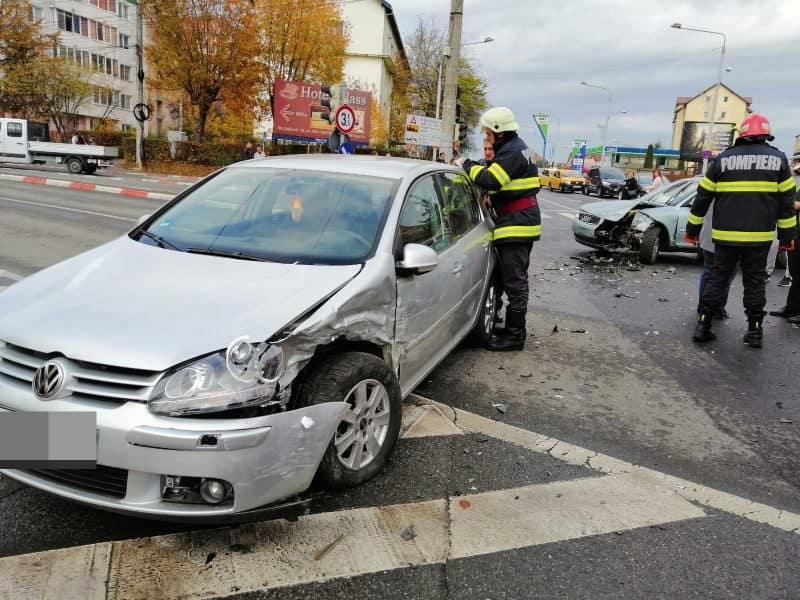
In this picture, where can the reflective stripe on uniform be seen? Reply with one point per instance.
(788, 222)
(695, 220)
(719, 235)
(516, 185)
(786, 185)
(474, 171)
(518, 231)
(747, 186)
(499, 173)
(707, 184)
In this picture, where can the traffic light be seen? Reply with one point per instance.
(331, 103)
(463, 129)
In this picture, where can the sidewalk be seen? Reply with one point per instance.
(113, 180)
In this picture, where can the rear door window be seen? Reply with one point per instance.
(14, 130)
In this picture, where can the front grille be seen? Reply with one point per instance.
(84, 380)
(107, 481)
(588, 218)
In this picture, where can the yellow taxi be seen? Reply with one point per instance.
(544, 176)
(565, 180)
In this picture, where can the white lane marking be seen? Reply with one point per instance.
(570, 216)
(545, 216)
(563, 510)
(368, 540)
(66, 208)
(10, 275)
(570, 208)
(426, 421)
(570, 453)
(150, 180)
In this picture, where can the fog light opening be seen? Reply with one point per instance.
(214, 491)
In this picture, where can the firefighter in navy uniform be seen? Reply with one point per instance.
(511, 182)
(752, 189)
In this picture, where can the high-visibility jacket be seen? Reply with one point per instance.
(752, 189)
(510, 177)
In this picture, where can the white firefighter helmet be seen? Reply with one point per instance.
(499, 119)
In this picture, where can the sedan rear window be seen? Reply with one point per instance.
(281, 215)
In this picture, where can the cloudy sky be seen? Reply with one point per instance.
(543, 50)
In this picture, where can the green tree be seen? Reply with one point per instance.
(648, 157)
(425, 51)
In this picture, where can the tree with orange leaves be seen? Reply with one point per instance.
(209, 49)
(301, 40)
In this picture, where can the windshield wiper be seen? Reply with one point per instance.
(237, 254)
(161, 241)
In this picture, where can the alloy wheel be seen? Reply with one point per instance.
(364, 427)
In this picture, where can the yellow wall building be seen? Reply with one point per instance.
(731, 108)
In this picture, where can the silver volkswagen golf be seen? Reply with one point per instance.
(254, 336)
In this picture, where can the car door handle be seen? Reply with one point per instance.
(457, 268)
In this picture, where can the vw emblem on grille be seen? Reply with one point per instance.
(48, 380)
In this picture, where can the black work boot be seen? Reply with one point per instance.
(513, 336)
(755, 333)
(702, 331)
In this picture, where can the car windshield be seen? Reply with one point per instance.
(570, 174)
(666, 194)
(683, 194)
(612, 174)
(280, 215)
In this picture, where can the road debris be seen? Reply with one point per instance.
(577, 331)
(623, 295)
(663, 299)
(464, 504)
(786, 421)
(241, 549)
(526, 375)
(408, 533)
(211, 556)
(500, 406)
(322, 552)
(555, 330)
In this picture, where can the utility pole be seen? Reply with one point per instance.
(140, 78)
(451, 78)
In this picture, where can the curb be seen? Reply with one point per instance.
(87, 187)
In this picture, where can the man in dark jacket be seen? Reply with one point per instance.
(752, 190)
(792, 309)
(512, 181)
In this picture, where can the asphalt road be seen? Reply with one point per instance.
(619, 376)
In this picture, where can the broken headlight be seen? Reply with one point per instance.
(244, 374)
(641, 222)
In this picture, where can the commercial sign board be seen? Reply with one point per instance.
(695, 139)
(578, 154)
(299, 114)
(424, 131)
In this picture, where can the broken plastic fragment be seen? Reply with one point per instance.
(500, 407)
(408, 533)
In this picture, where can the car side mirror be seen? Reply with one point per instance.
(142, 219)
(417, 259)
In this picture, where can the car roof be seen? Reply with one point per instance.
(369, 165)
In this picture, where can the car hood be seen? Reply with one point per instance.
(129, 304)
(614, 210)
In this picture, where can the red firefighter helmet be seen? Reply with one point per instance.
(755, 125)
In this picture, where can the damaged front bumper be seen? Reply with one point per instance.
(264, 460)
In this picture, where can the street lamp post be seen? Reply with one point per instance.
(608, 117)
(716, 90)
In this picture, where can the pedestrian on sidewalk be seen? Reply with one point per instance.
(259, 153)
(791, 310)
(247, 151)
(657, 182)
(752, 189)
(512, 182)
(706, 248)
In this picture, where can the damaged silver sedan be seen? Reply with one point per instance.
(254, 336)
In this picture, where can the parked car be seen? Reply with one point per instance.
(544, 176)
(256, 333)
(609, 225)
(565, 181)
(604, 181)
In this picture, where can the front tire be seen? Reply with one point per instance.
(368, 431)
(651, 246)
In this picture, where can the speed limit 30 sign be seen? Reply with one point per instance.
(345, 119)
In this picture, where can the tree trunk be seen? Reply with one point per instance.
(202, 116)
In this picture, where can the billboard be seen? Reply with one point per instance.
(542, 123)
(578, 154)
(298, 113)
(695, 139)
(424, 131)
